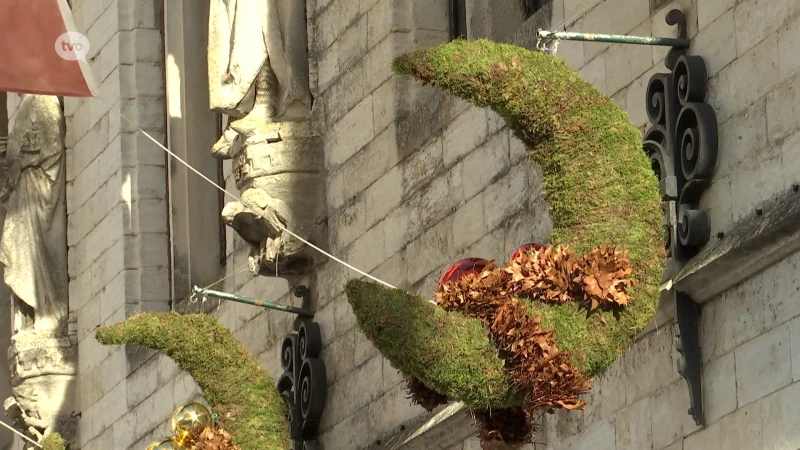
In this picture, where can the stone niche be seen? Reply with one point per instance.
(258, 77)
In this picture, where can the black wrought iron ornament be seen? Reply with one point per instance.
(682, 145)
(304, 382)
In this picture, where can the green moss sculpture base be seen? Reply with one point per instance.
(54, 442)
(597, 179)
(239, 391)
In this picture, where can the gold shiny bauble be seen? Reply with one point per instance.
(164, 444)
(190, 418)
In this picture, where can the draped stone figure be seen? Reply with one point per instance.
(33, 246)
(264, 39)
(258, 76)
(33, 251)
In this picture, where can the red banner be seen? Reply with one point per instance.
(41, 52)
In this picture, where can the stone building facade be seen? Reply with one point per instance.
(415, 180)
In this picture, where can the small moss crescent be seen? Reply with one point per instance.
(237, 388)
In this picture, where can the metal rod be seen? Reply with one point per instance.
(302, 312)
(614, 38)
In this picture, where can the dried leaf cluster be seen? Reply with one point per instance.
(529, 350)
(210, 439)
(554, 275)
(422, 395)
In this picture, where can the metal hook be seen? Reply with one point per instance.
(547, 46)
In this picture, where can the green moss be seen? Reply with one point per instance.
(448, 352)
(596, 178)
(54, 442)
(233, 383)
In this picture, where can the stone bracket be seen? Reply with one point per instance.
(682, 144)
(304, 383)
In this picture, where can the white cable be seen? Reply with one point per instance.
(255, 210)
(20, 434)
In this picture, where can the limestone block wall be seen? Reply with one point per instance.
(117, 236)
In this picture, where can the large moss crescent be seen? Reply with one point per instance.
(233, 383)
(596, 178)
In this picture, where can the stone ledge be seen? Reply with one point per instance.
(753, 244)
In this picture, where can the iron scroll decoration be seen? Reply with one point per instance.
(682, 145)
(303, 385)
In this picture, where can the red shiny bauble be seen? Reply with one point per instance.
(525, 249)
(463, 267)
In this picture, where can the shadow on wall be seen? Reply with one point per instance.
(6, 438)
(194, 204)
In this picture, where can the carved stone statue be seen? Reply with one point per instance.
(264, 40)
(33, 251)
(258, 76)
(33, 242)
